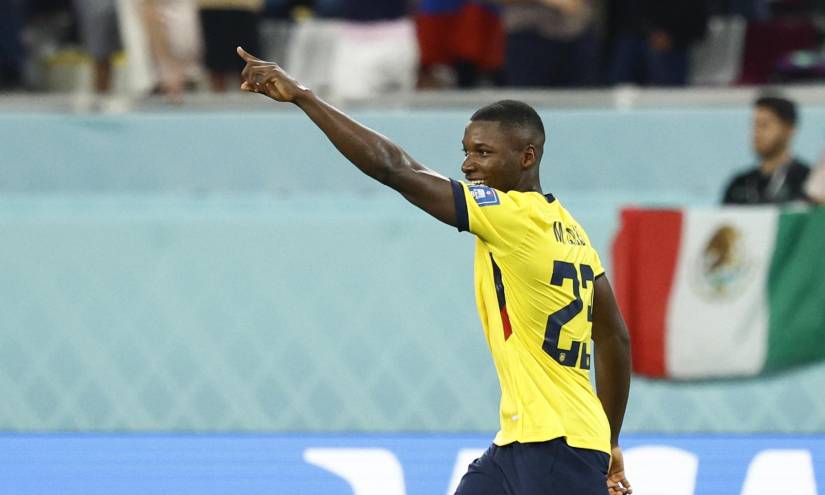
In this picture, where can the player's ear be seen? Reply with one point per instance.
(529, 157)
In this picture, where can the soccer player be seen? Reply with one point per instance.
(540, 288)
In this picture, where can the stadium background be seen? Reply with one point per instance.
(199, 295)
(226, 272)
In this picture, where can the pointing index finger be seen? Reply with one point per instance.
(244, 55)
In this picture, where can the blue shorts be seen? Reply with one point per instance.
(542, 468)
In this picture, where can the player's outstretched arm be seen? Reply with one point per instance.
(372, 153)
(612, 374)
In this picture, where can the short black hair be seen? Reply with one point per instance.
(510, 113)
(782, 107)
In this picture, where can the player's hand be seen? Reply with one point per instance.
(268, 78)
(617, 483)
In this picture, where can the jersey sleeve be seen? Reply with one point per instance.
(596, 264)
(498, 219)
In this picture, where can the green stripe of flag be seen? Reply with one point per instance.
(796, 291)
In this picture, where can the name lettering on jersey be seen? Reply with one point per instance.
(568, 235)
(484, 196)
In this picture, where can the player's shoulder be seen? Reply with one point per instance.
(550, 206)
(566, 227)
(534, 200)
(484, 195)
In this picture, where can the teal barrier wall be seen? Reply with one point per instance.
(676, 155)
(227, 272)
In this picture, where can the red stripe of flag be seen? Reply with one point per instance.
(645, 252)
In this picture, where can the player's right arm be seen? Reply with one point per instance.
(372, 153)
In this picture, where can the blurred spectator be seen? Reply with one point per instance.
(551, 43)
(779, 177)
(50, 40)
(651, 39)
(174, 37)
(284, 9)
(11, 48)
(771, 45)
(717, 59)
(356, 49)
(362, 10)
(139, 71)
(815, 187)
(749, 9)
(227, 24)
(465, 37)
(98, 25)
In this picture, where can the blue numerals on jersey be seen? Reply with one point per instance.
(562, 271)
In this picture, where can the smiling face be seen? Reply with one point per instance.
(498, 156)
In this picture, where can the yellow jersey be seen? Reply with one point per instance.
(534, 279)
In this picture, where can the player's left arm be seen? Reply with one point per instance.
(612, 373)
(373, 154)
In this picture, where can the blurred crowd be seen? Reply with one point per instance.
(358, 48)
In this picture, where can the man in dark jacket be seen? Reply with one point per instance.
(779, 177)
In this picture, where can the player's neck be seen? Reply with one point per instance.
(530, 185)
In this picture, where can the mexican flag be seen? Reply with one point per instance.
(717, 293)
